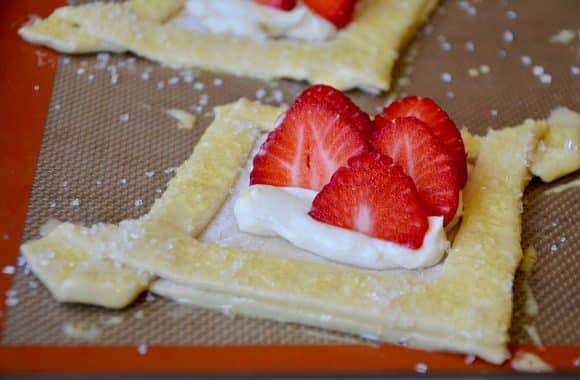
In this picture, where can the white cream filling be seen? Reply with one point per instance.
(249, 19)
(283, 211)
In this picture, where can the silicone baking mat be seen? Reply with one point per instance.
(109, 148)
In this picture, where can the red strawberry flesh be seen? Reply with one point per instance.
(310, 144)
(338, 12)
(285, 5)
(341, 104)
(413, 145)
(373, 196)
(429, 112)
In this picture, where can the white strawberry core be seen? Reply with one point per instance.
(363, 220)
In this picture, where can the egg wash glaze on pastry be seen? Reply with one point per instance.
(246, 18)
(283, 211)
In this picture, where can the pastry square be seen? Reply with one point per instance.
(463, 304)
(362, 55)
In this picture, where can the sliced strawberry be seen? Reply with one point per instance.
(311, 142)
(285, 5)
(373, 196)
(413, 145)
(428, 111)
(338, 12)
(341, 104)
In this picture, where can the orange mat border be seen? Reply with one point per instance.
(23, 115)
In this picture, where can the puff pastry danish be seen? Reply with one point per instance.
(361, 55)
(463, 304)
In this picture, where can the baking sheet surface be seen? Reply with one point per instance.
(109, 149)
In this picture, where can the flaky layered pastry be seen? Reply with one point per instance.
(463, 304)
(361, 55)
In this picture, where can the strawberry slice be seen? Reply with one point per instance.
(373, 196)
(429, 112)
(338, 12)
(341, 104)
(284, 5)
(413, 145)
(311, 142)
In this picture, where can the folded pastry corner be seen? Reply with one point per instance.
(557, 153)
(69, 263)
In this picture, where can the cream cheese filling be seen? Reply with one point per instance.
(283, 211)
(247, 18)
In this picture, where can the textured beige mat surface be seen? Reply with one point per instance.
(109, 148)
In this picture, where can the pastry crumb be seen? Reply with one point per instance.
(533, 334)
(185, 120)
(528, 260)
(564, 36)
(113, 321)
(81, 331)
(528, 362)
(531, 307)
(8, 269)
(49, 226)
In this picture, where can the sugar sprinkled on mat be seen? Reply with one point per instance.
(142, 349)
(421, 368)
